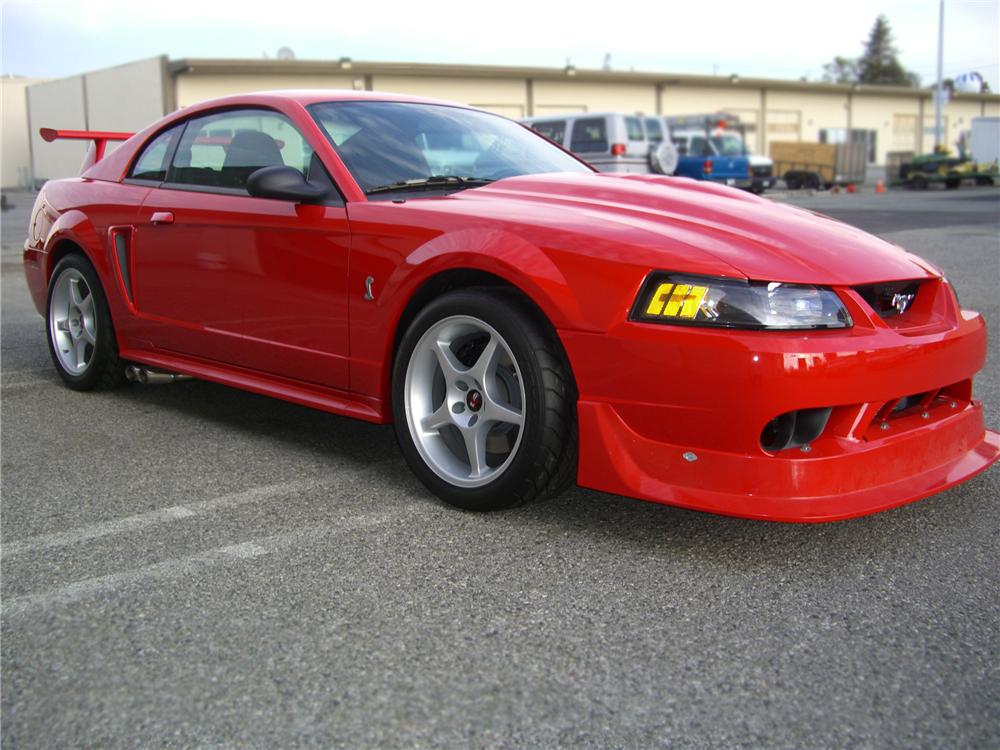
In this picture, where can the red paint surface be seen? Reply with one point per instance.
(268, 296)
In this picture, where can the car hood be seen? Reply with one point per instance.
(758, 238)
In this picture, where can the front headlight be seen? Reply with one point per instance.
(733, 303)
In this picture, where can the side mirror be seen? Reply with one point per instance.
(284, 183)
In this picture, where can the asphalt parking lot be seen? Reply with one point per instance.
(193, 566)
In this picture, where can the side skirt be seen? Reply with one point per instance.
(295, 391)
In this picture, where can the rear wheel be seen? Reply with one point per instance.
(81, 335)
(483, 402)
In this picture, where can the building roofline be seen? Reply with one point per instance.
(346, 66)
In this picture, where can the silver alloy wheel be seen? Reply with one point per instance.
(465, 401)
(73, 321)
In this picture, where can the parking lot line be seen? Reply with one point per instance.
(18, 384)
(189, 565)
(160, 515)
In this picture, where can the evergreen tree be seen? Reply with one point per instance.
(878, 65)
(841, 70)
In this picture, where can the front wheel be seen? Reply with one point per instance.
(484, 402)
(80, 332)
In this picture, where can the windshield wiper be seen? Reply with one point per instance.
(425, 183)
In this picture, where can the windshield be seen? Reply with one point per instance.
(387, 144)
(729, 144)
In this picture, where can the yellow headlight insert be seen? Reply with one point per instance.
(676, 301)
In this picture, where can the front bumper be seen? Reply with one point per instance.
(674, 415)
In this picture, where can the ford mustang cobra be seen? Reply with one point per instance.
(524, 321)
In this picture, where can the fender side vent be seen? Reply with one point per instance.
(124, 261)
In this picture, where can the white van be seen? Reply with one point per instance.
(610, 141)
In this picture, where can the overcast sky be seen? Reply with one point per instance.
(765, 38)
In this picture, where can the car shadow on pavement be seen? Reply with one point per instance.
(645, 528)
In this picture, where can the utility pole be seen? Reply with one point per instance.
(939, 93)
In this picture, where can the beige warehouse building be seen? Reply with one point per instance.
(128, 97)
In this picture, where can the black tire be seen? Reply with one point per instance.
(812, 181)
(952, 182)
(917, 182)
(103, 369)
(793, 182)
(544, 462)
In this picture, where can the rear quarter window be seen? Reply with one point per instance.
(152, 162)
(554, 130)
(589, 135)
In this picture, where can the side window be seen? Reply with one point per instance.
(654, 129)
(633, 128)
(224, 149)
(152, 162)
(589, 136)
(699, 146)
(554, 130)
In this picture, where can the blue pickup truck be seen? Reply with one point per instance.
(713, 147)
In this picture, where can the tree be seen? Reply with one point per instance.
(878, 64)
(841, 70)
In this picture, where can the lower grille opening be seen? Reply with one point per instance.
(915, 409)
(794, 429)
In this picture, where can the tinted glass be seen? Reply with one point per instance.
(554, 129)
(699, 146)
(589, 136)
(386, 143)
(151, 164)
(729, 144)
(654, 129)
(224, 149)
(633, 128)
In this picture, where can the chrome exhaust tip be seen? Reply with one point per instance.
(145, 376)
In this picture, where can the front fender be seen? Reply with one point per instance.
(75, 228)
(497, 252)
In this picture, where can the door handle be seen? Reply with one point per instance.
(162, 217)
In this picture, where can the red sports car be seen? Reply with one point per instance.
(524, 321)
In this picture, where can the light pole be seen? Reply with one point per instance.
(939, 93)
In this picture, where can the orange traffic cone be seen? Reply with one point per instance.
(879, 186)
(835, 190)
(851, 188)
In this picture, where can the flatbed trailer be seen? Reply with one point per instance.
(803, 164)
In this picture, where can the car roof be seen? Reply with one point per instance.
(306, 97)
(578, 115)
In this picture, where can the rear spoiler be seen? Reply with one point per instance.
(100, 140)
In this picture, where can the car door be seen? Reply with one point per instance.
(254, 282)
